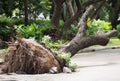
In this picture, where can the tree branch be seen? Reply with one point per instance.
(80, 43)
(82, 25)
(70, 8)
(73, 18)
(80, 10)
(56, 13)
(98, 9)
(89, 2)
(112, 33)
(78, 4)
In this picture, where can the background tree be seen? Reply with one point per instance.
(26, 11)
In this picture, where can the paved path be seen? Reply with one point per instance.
(103, 65)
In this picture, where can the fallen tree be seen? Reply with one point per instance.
(81, 40)
(31, 57)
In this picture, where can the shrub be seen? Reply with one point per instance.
(33, 30)
(118, 29)
(5, 23)
(53, 45)
(96, 25)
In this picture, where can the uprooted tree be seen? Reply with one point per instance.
(32, 57)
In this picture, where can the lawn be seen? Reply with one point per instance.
(114, 42)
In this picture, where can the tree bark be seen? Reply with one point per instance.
(80, 9)
(72, 19)
(26, 11)
(81, 40)
(56, 17)
(57, 12)
(94, 15)
(70, 7)
(116, 6)
(80, 43)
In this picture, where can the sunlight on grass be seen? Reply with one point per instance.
(114, 42)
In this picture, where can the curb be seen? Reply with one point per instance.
(98, 48)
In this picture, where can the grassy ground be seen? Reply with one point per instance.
(114, 42)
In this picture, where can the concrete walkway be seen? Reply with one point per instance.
(102, 65)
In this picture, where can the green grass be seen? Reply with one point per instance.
(114, 42)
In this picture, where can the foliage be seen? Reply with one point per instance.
(7, 6)
(96, 25)
(34, 30)
(37, 7)
(4, 27)
(107, 13)
(74, 29)
(4, 33)
(71, 32)
(46, 4)
(1, 9)
(5, 23)
(118, 29)
(61, 23)
(46, 39)
(73, 66)
(53, 45)
(34, 8)
(66, 57)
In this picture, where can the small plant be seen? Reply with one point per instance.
(33, 31)
(53, 45)
(67, 58)
(46, 39)
(73, 66)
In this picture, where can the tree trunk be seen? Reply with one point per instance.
(73, 18)
(56, 17)
(26, 11)
(77, 43)
(70, 7)
(57, 12)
